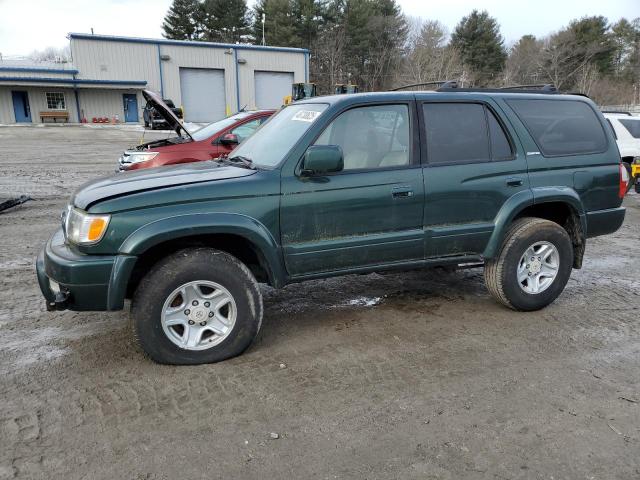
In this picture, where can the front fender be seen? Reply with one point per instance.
(187, 225)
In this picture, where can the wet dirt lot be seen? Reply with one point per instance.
(417, 375)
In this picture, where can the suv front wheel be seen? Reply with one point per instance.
(196, 306)
(532, 266)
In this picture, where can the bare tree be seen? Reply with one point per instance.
(563, 58)
(328, 58)
(52, 55)
(523, 64)
(428, 56)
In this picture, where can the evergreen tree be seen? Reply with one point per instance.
(593, 40)
(181, 21)
(225, 21)
(280, 26)
(477, 38)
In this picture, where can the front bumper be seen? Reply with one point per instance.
(83, 280)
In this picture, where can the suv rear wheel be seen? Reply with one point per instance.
(197, 306)
(532, 266)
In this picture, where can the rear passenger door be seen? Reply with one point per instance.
(472, 164)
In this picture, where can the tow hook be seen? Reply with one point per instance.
(59, 302)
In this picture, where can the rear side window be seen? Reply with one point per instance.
(633, 126)
(464, 133)
(561, 127)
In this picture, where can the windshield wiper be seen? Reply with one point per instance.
(239, 161)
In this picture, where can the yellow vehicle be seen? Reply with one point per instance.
(635, 174)
(342, 89)
(300, 91)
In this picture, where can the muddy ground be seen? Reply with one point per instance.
(417, 375)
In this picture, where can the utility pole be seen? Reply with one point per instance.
(263, 18)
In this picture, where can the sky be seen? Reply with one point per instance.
(49, 21)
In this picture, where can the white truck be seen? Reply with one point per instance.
(626, 129)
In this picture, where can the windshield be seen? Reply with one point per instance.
(205, 132)
(271, 142)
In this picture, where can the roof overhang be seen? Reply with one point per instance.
(72, 82)
(38, 70)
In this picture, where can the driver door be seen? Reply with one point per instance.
(370, 213)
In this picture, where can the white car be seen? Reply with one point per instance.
(626, 129)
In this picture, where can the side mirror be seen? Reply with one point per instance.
(319, 159)
(229, 139)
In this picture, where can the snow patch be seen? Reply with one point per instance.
(364, 301)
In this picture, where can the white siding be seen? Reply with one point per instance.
(106, 103)
(6, 106)
(37, 102)
(109, 60)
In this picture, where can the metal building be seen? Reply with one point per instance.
(107, 73)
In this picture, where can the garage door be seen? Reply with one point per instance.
(271, 88)
(203, 95)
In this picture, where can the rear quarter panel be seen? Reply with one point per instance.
(594, 177)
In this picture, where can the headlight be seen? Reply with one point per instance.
(83, 228)
(136, 157)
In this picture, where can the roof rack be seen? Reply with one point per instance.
(543, 89)
(619, 112)
(442, 83)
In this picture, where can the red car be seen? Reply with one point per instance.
(210, 142)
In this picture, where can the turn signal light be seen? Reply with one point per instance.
(96, 229)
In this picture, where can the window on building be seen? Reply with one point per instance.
(55, 101)
(561, 127)
(371, 137)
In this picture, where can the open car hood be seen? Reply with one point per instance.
(172, 120)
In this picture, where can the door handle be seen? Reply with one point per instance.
(514, 182)
(402, 192)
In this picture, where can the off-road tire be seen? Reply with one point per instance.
(186, 266)
(500, 273)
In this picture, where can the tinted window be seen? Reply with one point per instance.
(456, 132)
(371, 137)
(561, 127)
(633, 126)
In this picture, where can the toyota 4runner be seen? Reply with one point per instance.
(338, 185)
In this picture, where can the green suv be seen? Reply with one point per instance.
(340, 185)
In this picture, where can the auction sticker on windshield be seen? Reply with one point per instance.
(306, 116)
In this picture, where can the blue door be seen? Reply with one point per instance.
(21, 107)
(130, 107)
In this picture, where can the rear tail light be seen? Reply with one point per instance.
(624, 181)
